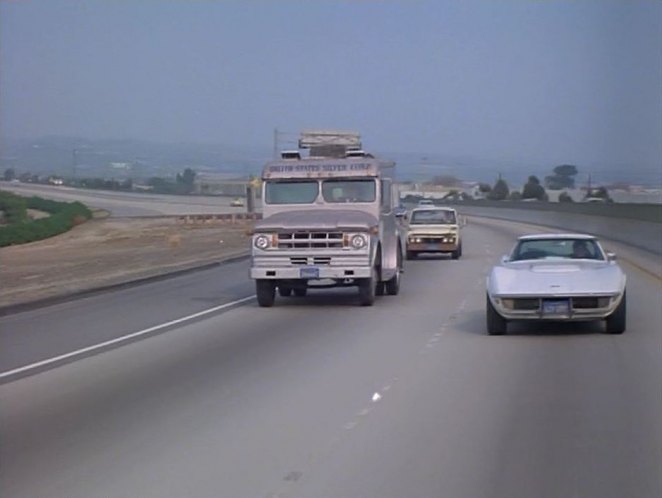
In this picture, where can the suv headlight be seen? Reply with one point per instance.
(262, 241)
(358, 241)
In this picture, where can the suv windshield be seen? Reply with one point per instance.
(432, 217)
(349, 190)
(297, 192)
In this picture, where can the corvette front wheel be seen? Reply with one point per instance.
(615, 323)
(496, 324)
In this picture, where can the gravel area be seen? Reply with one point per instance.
(109, 251)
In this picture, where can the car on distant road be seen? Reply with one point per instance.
(237, 202)
(556, 277)
(426, 202)
(433, 229)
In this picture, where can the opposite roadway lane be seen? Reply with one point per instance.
(122, 204)
(320, 397)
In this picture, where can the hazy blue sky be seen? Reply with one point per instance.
(548, 81)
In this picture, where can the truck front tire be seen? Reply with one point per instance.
(266, 292)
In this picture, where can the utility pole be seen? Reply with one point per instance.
(74, 163)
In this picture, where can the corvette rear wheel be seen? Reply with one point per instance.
(615, 323)
(496, 324)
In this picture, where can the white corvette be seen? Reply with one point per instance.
(556, 277)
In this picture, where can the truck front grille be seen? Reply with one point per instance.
(310, 240)
(302, 260)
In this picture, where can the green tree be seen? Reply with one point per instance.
(10, 174)
(187, 177)
(533, 190)
(500, 191)
(563, 177)
(565, 197)
(600, 193)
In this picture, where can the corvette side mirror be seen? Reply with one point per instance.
(611, 256)
(505, 259)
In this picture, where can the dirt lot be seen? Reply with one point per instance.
(109, 251)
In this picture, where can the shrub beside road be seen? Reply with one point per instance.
(19, 228)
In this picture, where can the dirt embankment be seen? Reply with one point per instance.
(110, 251)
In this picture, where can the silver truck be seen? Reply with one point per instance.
(328, 221)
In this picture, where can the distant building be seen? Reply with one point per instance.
(219, 184)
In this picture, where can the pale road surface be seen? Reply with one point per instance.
(129, 204)
(320, 397)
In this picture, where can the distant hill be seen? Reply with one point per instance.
(142, 159)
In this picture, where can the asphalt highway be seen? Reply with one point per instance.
(126, 204)
(320, 397)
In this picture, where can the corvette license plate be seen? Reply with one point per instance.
(556, 307)
(309, 272)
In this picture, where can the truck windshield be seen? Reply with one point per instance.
(432, 217)
(349, 190)
(292, 192)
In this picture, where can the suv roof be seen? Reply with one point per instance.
(433, 208)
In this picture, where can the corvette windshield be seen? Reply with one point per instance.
(557, 248)
(432, 217)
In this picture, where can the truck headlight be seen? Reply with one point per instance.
(262, 242)
(358, 241)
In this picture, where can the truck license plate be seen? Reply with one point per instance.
(556, 307)
(309, 272)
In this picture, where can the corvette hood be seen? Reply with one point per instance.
(318, 219)
(550, 277)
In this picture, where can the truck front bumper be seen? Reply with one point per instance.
(318, 267)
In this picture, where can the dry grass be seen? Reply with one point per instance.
(108, 251)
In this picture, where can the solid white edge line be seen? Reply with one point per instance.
(123, 338)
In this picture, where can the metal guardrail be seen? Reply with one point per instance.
(642, 234)
(224, 218)
(633, 211)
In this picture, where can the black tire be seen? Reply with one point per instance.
(266, 292)
(393, 285)
(615, 323)
(300, 291)
(411, 255)
(368, 290)
(380, 288)
(457, 254)
(284, 291)
(496, 324)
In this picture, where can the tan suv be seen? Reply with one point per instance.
(433, 229)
